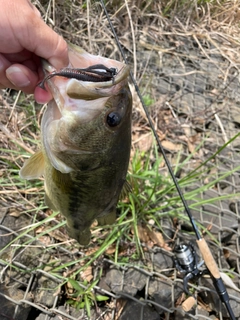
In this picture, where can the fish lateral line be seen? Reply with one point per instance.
(90, 74)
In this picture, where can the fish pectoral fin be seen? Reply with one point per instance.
(49, 203)
(33, 167)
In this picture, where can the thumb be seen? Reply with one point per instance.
(30, 32)
(23, 29)
(48, 44)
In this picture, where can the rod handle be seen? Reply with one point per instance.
(208, 258)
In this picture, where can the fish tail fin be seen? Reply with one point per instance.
(82, 236)
(33, 167)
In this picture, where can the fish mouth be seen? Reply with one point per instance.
(67, 90)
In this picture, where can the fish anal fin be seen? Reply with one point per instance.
(49, 203)
(33, 167)
(109, 218)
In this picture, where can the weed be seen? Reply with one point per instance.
(83, 296)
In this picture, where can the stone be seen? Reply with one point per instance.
(215, 213)
(78, 314)
(162, 261)
(10, 222)
(135, 310)
(28, 257)
(181, 314)
(8, 308)
(129, 282)
(45, 290)
(202, 314)
(162, 293)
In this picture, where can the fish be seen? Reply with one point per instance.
(85, 140)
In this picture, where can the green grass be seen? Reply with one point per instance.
(84, 296)
(152, 197)
(149, 188)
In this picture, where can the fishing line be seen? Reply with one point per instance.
(202, 244)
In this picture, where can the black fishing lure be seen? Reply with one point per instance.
(95, 73)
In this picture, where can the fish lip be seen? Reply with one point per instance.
(94, 90)
(121, 75)
(86, 90)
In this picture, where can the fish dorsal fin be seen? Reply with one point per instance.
(33, 167)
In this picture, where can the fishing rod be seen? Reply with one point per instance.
(201, 242)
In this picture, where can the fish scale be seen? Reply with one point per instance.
(86, 143)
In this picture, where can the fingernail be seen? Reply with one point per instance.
(17, 77)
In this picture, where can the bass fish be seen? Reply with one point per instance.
(86, 141)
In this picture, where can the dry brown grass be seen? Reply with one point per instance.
(146, 30)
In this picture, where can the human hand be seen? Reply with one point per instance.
(24, 40)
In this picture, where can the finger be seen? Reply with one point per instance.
(28, 31)
(4, 64)
(4, 82)
(42, 96)
(57, 50)
(46, 43)
(37, 12)
(19, 56)
(21, 78)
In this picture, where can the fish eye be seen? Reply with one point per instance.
(113, 119)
